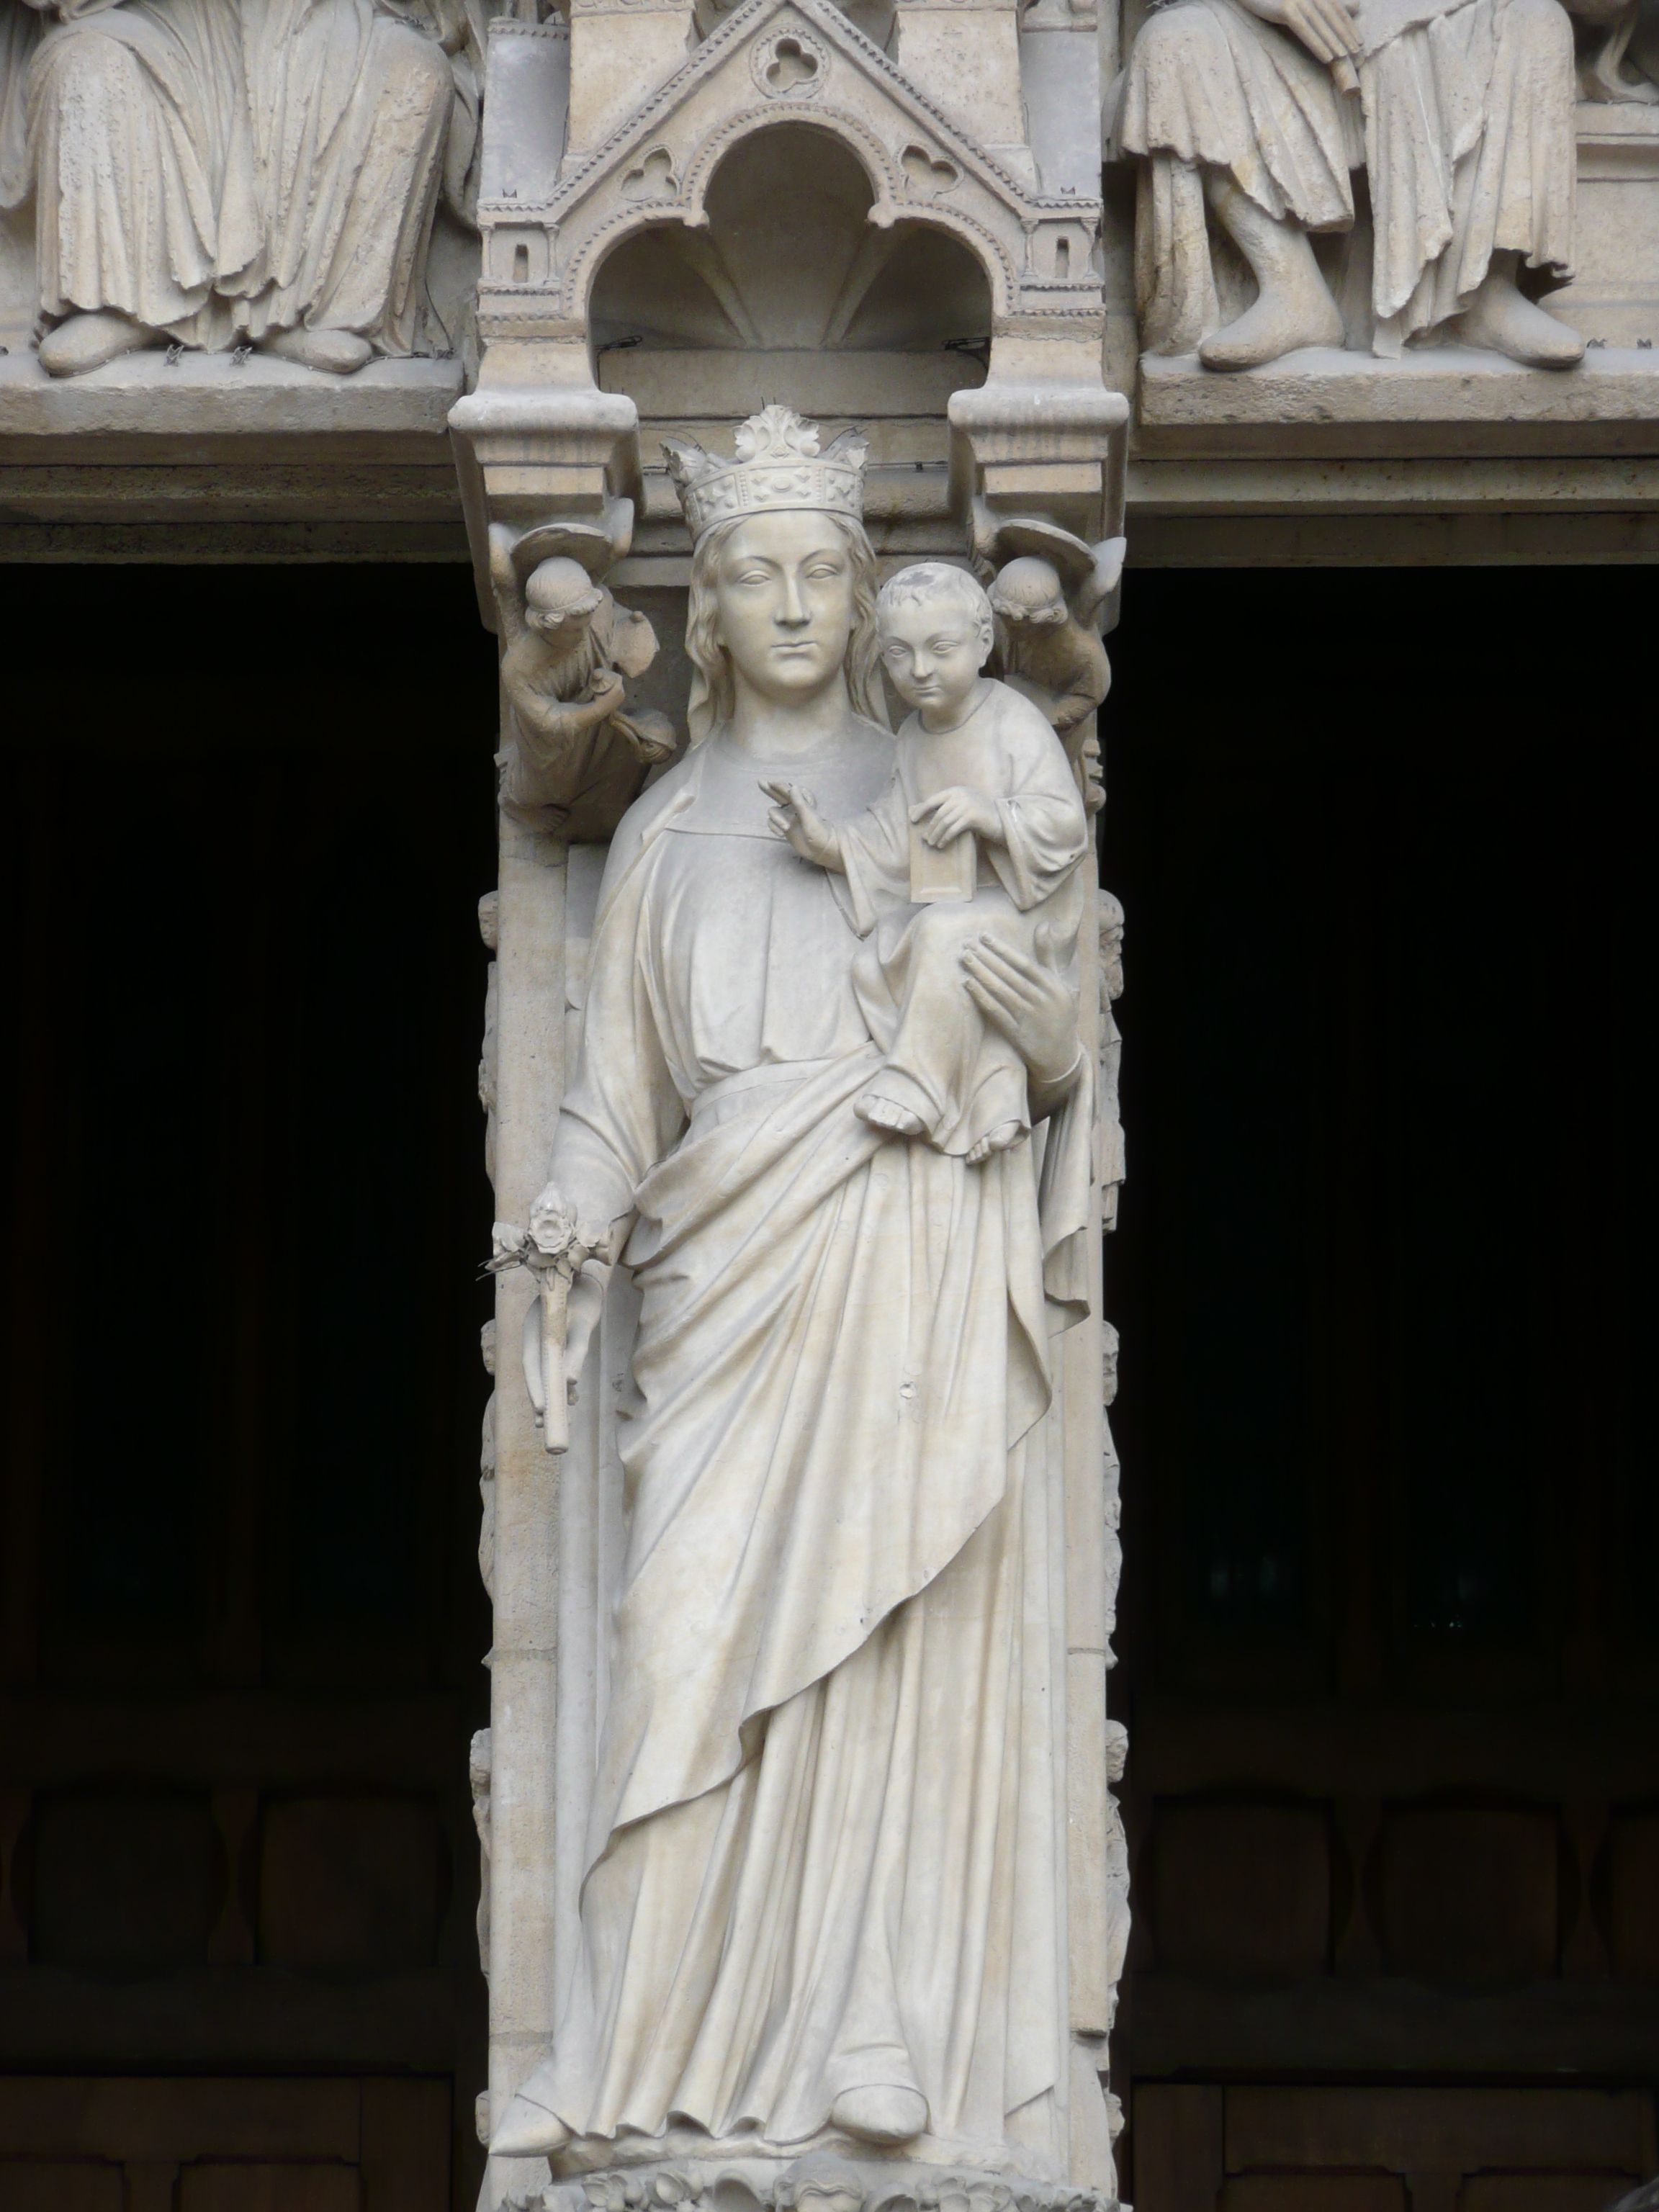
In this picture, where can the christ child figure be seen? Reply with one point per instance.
(979, 836)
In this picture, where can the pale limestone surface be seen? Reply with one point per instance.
(858, 287)
(218, 173)
(1255, 114)
(1448, 400)
(744, 239)
(1614, 297)
(789, 213)
(809, 1577)
(1252, 127)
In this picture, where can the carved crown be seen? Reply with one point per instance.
(777, 465)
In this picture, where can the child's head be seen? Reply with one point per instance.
(560, 598)
(1028, 590)
(936, 634)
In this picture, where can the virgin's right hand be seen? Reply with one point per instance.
(553, 1223)
(1326, 28)
(793, 818)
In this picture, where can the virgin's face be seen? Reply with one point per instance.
(783, 590)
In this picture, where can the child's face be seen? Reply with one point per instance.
(934, 652)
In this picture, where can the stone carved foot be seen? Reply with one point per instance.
(885, 2114)
(1002, 1139)
(1500, 320)
(528, 2130)
(883, 1113)
(341, 353)
(1293, 306)
(87, 341)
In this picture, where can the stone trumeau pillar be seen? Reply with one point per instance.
(607, 140)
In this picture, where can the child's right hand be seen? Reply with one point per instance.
(793, 818)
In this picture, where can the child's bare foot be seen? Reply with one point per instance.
(882, 1114)
(1002, 1139)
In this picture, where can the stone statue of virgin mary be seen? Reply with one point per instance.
(822, 1901)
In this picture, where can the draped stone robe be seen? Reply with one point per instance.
(1464, 123)
(824, 1849)
(219, 169)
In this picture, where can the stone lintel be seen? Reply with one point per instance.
(1432, 484)
(214, 459)
(1446, 400)
(1616, 140)
(220, 396)
(1394, 511)
(1497, 539)
(1385, 513)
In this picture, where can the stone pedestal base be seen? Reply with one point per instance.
(820, 2182)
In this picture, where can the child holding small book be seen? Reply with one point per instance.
(981, 831)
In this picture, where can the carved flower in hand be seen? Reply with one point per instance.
(552, 1225)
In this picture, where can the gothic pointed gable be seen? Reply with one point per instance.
(803, 62)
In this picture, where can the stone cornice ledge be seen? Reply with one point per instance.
(216, 396)
(1444, 399)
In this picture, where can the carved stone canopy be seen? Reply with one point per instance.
(772, 63)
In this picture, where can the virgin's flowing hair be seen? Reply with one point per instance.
(712, 696)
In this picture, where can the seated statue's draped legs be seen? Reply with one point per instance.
(225, 168)
(349, 113)
(145, 198)
(1464, 124)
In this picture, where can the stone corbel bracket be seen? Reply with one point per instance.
(1036, 447)
(534, 458)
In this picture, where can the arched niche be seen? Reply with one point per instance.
(789, 264)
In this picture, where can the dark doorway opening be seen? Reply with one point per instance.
(246, 818)
(1385, 1281)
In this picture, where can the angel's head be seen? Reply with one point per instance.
(1028, 590)
(560, 599)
